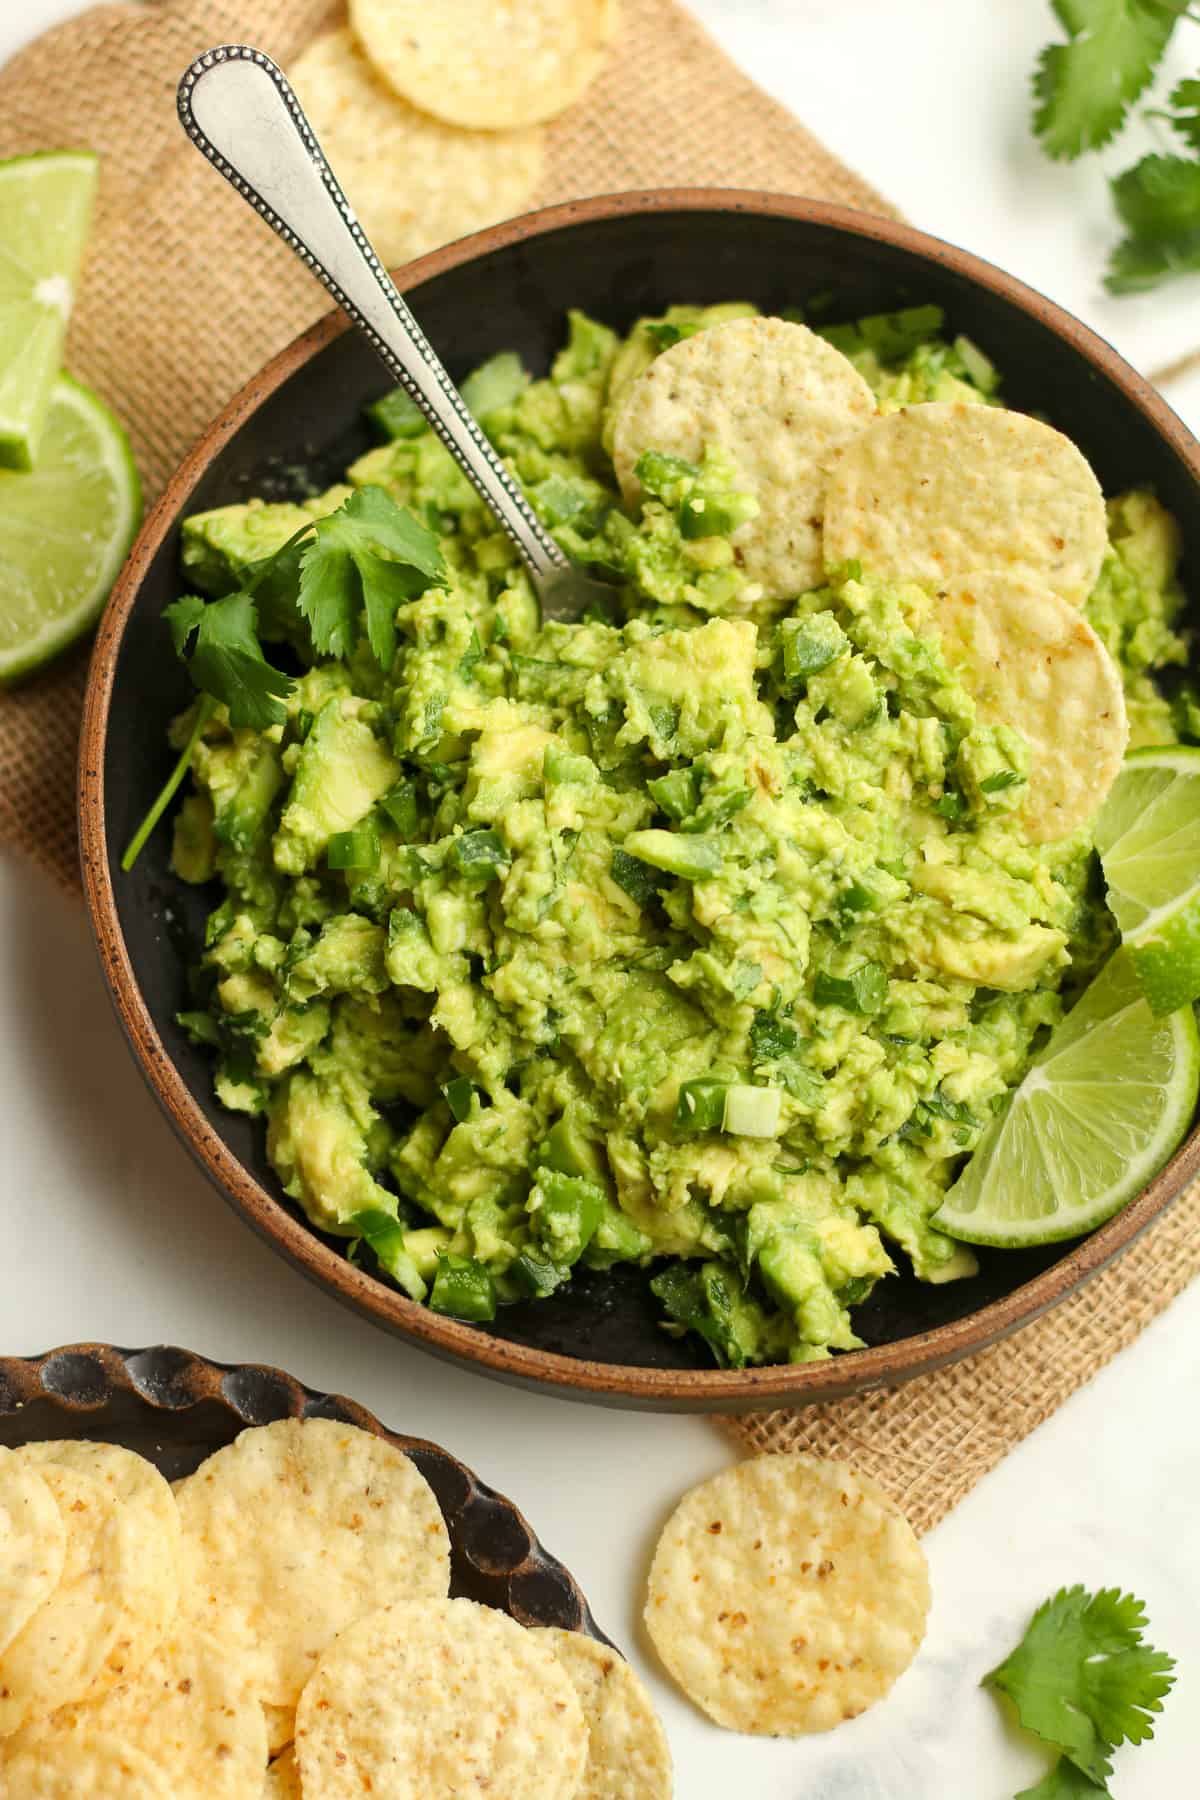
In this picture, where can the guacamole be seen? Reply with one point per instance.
(702, 936)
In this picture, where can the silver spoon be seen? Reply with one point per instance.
(238, 108)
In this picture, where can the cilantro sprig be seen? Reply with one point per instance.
(360, 562)
(1082, 1679)
(1084, 91)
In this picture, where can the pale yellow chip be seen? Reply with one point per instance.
(94, 1765)
(283, 1778)
(187, 1711)
(440, 1700)
(937, 492)
(415, 183)
(780, 401)
(786, 1595)
(32, 1545)
(281, 1727)
(136, 1484)
(1032, 661)
(295, 1530)
(118, 1589)
(628, 1755)
(487, 64)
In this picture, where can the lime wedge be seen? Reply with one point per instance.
(64, 529)
(1097, 1115)
(45, 211)
(1148, 836)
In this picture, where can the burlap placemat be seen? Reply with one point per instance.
(186, 294)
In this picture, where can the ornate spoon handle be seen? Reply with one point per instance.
(239, 109)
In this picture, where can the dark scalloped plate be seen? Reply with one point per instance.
(175, 1408)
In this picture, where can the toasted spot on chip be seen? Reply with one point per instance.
(187, 1711)
(936, 492)
(118, 1589)
(414, 182)
(483, 65)
(93, 1765)
(628, 1756)
(32, 1545)
(779, 400)
(437, 1700)
(1032, 661)
(298, 1528)
(283, 1778)
(803, 1611)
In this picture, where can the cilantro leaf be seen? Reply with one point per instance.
(227, 661)
(1082, 1679)
(182, 618)
(1158, 201)
(1185, 117)
(1064, 1782)
(370, 551)
(1085, 87)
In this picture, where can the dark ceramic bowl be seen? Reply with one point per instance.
(510, 287)
(175, 1408)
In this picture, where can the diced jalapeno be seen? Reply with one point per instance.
(535, 1276)
(677, 793)
(810, 645)
(384, 1237)
(462, 1289)
(701, 1105)
(400, 805)
(357, 849)
(479, 856)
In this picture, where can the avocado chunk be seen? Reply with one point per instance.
(341, 771)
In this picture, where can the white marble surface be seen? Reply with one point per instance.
(110, 1233)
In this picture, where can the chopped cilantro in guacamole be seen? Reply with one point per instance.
(702, 936)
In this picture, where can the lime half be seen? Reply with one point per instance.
(1148, 836)
(45, 211)
(1097, 1115)
(64, 529)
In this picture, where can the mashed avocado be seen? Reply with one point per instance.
(702, 935)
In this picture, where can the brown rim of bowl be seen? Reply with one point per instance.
(722, 1389)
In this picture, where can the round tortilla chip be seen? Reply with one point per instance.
(936, 492)
(780, 401)
(187, 1710)
(786, 1595)
(283, 1778)
(628, 1755)
(1032, 661)
(33, 1542)
(94, 1765)
(414, 182)
(295, 1530)
(489, 67)
(436, 1700)
(118, 1589)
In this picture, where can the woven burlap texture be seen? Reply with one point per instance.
(186, 294)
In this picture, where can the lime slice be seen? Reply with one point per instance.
(1148, 836)
(64, 529)
(1097, 1115)
(45, 211)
